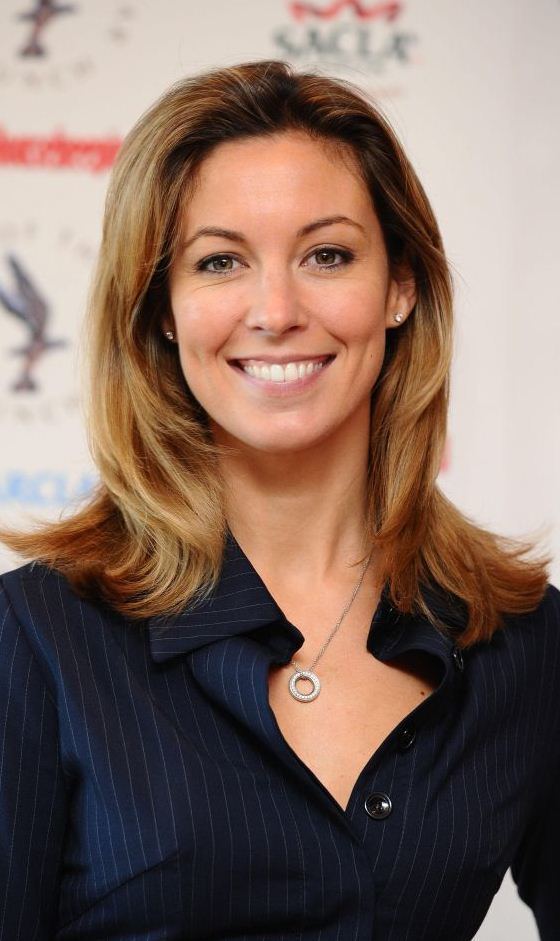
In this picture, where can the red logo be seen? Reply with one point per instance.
(301, 9)
(58, 151)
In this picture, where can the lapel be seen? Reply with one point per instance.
(241, 604)
(393, 632)
(231, 638)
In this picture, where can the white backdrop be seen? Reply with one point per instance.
(472, 90)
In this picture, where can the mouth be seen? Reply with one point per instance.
(293, 371)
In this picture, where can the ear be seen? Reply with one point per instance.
(401, 296)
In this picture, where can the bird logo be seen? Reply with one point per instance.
(27, 304)
(41, 14)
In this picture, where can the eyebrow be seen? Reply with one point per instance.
(233, 236)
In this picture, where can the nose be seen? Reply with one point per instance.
(276, 307)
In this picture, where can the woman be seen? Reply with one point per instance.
(270, 682)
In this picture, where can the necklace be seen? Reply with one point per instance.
(310, 674)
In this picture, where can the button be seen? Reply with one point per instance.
(458, 658)
(378, 805)
(406, 737)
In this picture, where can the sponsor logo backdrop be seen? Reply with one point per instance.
(472, 91)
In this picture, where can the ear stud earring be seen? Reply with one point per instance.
(169, 334)
(398, 317)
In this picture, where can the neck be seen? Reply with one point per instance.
(300, 514)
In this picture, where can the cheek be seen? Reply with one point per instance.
(356, 315)
(203, 325)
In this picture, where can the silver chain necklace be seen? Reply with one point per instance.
(309, 674)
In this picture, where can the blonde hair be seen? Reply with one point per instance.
(151, 537)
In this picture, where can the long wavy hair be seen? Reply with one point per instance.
(151, 537)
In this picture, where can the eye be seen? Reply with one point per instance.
(218, 264)
(329, 258)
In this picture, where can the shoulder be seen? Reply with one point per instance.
(524, 658)
(533, 638)
(540, 630)
(37, 593)
(543, 621)
(550, 605)
(60, 626)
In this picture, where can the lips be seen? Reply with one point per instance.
(281, 371)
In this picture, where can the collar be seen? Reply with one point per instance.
(242, 604)
(239, 604)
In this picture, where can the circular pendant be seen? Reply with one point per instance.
(305, 675)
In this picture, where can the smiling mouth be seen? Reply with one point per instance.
(292, 371)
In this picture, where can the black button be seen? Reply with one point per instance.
(458, 658)
(378, 805)
(406, 737)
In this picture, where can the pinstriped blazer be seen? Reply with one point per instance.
(146, 791)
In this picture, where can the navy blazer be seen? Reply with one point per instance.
(147, 791)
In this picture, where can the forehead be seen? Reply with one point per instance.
(285, 171)
(291, 143)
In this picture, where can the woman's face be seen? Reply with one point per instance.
(281, 294)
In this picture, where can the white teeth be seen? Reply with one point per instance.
(282, 372)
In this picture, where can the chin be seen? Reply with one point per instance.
(282, 442)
